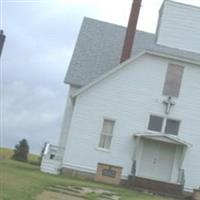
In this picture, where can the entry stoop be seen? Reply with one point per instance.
(159, 187)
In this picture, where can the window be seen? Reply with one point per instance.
(163, 125)
(52, 156)
(172, 126)
(173, 80)
(106, 134)
(155, 123)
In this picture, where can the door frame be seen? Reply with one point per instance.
(180, 150)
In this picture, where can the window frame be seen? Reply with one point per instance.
(163, 121)
(177, 120)
(165, 118)
(167, 81)
(102, 133)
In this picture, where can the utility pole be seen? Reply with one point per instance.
(2, 40)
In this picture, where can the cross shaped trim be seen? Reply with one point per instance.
(168, 103)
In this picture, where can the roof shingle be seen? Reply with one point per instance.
(98, 50)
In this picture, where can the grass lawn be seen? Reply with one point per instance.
(23, 181)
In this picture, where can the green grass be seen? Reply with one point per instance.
(23, 181)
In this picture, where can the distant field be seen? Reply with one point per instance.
(23, 181)
(7, 153)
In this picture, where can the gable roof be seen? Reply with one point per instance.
(98, 50)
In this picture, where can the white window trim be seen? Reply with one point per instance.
(147, 125)
(173, 119)
(165, 118)
(109, 118)
(174, 64)
(106, 134)
(103, 149)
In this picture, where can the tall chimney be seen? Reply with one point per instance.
(131, 30)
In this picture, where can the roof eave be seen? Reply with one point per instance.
(107, 74)
(168, 136)
(172, 57)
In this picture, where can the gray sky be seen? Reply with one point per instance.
(41, 35)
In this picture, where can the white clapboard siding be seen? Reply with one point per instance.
(179, 26)
(50, 166)
(128, 97)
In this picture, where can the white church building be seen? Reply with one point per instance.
(134, 119)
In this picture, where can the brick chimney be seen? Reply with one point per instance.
(131, 30)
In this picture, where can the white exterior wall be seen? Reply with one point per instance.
(179, 26)
(51, 165)
(129, 96)
(67, 118)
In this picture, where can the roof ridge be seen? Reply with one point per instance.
(113, 24)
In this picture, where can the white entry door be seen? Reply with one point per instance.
(165, 161)
(148, 159)
(157, 160)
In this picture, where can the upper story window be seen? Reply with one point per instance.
(163, 125)
(173, 80)
(106, 134)
(155, 123)
(172, 126)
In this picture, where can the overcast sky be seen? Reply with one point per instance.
(41, 35)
